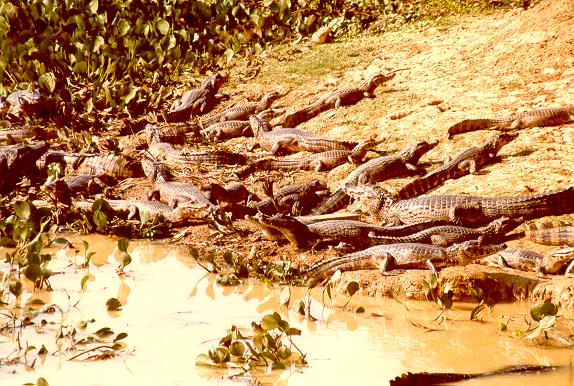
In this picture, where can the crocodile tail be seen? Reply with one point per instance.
(418, 187)
(469, 125)
(337, 200)
(321, 272)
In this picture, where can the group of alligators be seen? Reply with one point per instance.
(417, 230)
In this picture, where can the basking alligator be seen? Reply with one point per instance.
(400, 164)
(462, 209)
(526, 260)
(467, 161)
(550, 233)
(403, 256)
(282, 140)
(318, 162)
(198, 100)
(112, 165)
(174, 158)
(17, 161)
(298, 198)
(342, 96)
(445, 235)
(533, 118)
(241, 110)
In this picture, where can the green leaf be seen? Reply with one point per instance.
(100, 219)
(120, 336)
(360, 310)
(113, 304)
(103, 332)
(16, 288)
(125, 259)
(33, 272)
(98, 43)
(23, 209)
(228, 257)
(539, 311)
(47, 81)
(123, 244)
(127, 98)
(285, 297)
(237, 349)
(352, 288)
(269, 322)
(162, 26)
(42, 382)
(84, 281)
(93, 6)
(123, 27)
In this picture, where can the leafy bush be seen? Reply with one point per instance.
(95, 54)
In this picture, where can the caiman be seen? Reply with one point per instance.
(298, 198)
(468, 161)
(526, 260)
(30, 102)
(533, 118)
(550, 232)
(403, 256)
(305, 234)
(342, 96)
(174, 133)
(445, 235)
(198, 100)
(113, 165)
(284, 140)
(17, 161)
(240, 111)
(166, 152)
(318, 162)
(461, 209)
(400, 164)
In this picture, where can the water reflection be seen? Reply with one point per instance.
(172, 311)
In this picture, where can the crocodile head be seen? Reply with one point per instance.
(369, 198)
(214, 81)
(415, 150)
(558, 259)
(471, 250)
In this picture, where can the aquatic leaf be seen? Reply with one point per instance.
(360, 310)
(539, 311)
(125, 259)
(100, 219)
(103, 332)
(203, 360)
(220, 355)
(47, 81)
(7, 242)
(123, 27)
(352, 288)
(269, 322)
(23, 209)
(237, 349)
(123, 244)
(284, 352)
(293, 331)
(120, 336)
(285, 297)
(84, 281)
(119, 345)
(93, 6)
(162, 26)
(42, 382)
(113, 304)
(228, 257)
(33, 272)
(16, 288)
(62, 240)
(131, 95)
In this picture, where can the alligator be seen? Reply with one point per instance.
(240, 111)
(174, 133)
(342, 96)
(533, 118)
(222, 131)
(198, 100)
(231, 193)
(387, 257)
(85, 185)
(461, 209)
(17, 161)
(17, 134)
(318, 162)
(166, 152)
(284, 140)
(304, 233)
(112, 165)
(550, 232)
(400, 164)
(30, 102)
(527, 260)
(298, 198)
(445, 235)
(467, 161)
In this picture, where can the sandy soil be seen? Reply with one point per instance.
(478, 66)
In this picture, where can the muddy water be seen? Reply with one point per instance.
(172, 311)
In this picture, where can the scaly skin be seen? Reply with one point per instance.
(526, 260)
(342, 96)
(297, 198)
(318, 162)
(132, 209)
(467, 161)
(174, 133)
(403, 256)
(222, 131)
(240, 111)
(401, 164)
(17, 161)
(197, 101)
(533, 118)
(550, 233)
(284, 140)
(460, 209)
(445, 235)
(175, 159)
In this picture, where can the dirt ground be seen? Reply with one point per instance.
(464, 67)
